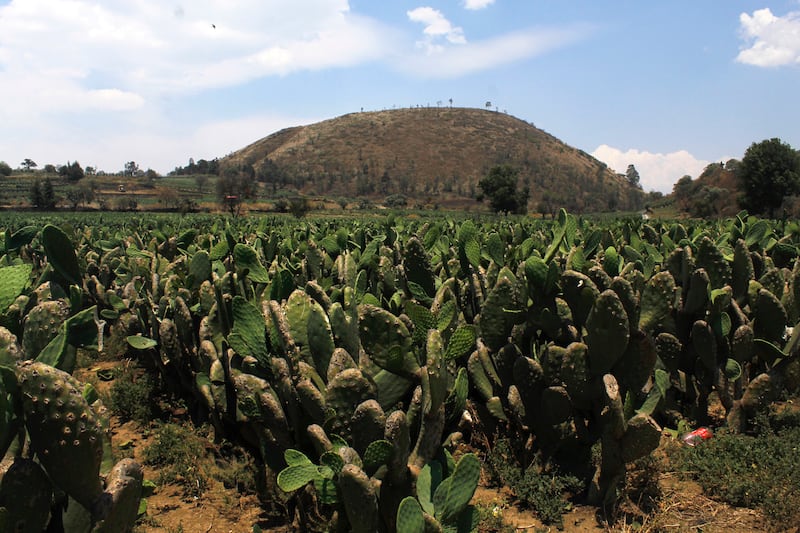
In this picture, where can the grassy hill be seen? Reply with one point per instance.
(430, 156)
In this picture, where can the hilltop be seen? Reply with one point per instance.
(430, 156)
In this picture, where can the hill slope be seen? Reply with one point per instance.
(433, 156)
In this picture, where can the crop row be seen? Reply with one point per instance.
(350, 356)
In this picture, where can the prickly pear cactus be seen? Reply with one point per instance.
(25, 492)
(64, 431)
(41, 325)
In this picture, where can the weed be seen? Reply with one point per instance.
(536, 485)
(491, 520)
(131, 396)
(179, 454)
(751, 471)
(235, 468)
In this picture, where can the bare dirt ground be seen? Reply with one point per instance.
(680, 505)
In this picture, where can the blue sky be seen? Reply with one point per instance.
(667, 86)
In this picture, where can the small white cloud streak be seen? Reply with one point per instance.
(658, 172)
(436, 26)
(477, 4)
(476, 56)
(771, 41)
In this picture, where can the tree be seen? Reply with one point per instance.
(42, 195)
(5, 169)
(28, 164)
(769, 171)
(78, 195)
(72, 172)
(131, 168)
(633, 176)
(233, 188)
(201, 180)
(500, 186)
(50, 168)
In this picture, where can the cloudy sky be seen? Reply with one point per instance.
(666, 86)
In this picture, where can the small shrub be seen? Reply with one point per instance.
(298, 207)
(540, 487)
(491, 520)
(178, 453)
(131, 396)
(750, 471)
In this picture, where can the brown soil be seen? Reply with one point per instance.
(680, 506)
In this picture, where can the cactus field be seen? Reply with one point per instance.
(370, 368)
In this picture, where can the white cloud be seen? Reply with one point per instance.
(477, 4)
(658, 172)
(475, 56)
(150, 47)
(436, 27)
(771, 41)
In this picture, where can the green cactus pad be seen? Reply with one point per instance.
(499, 313)
(65, 433)
(607, 332)
(697, 296)
(478, 377)
(742, 271)
(576, 375)
(246, 259)
(409, 516)
(742, 343)
(345, 392)
(360, 500)
(657, 303)
(368, 423)
(705, 344)
(635, 367)
(642, 436)
(13, 280)
(459, 489)
(118, 507)
(42, 324)
(711, 259)
(580, 292)
(770, 318)
(248, 334)
(669, 349)
(61, 254)
(417, 266)
(387, 340)
(25, 492)
(556, 405)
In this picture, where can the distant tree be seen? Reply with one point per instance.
(200, 180)
(79, 195)
(90, 171)
(632, 176)
(233, 188)
(71, 171)
(28, 164)
(42, 195)
(298, 207)
(5, 169)
(49, 168)
(500, 186)
(396, 200)
(35, 194)
(131, 168)
(48, 195)
(769, 172)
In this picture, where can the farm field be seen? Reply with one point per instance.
(398, 372)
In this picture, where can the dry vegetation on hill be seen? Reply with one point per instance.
(431, 156)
